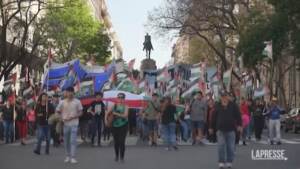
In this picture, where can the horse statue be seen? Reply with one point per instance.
(148, 45)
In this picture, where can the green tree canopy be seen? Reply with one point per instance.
(75, 33)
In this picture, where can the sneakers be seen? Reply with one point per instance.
(229, 165)
(67, 159)
(73, 161)
(221, 165)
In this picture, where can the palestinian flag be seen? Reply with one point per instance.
(29, 95)
(11, 81)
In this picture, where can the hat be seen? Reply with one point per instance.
(70, 89)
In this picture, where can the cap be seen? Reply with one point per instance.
(70, 89)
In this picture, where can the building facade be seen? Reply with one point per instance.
(100, 12)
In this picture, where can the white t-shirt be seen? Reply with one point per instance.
(70, 109)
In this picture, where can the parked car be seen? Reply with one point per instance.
(292, 121)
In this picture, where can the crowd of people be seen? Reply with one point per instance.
(63, 118)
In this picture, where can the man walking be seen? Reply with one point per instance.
(98, 112)
(151, 114)
(198, 110)
(225, 119)
(70, 109)
(274, 122)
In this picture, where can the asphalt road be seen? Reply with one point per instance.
(144, 157)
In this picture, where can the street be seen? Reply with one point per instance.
(143, 157)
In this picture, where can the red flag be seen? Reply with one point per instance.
(131, 64)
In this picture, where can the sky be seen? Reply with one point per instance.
(129, 18)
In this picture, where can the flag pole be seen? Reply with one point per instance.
(14, 115)
(47, 83)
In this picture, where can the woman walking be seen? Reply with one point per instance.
(21, 122)
(169, 123)
(118, 117)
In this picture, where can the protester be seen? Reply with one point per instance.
(84, 123)
(8, 119)
(21, 121)
(70, 109)
(151, 113)
(31, 121)
(43, 111)
(184, 128)
(198, 110)
(245, 114)
(98, 112)
(169, 123)
(251, 105)
(211, 109)
(132, 120)
(225, 120)
(258, 119)
(55, 124)
(274, 122)
(119, 112)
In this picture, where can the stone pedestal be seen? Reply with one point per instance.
(148, 64)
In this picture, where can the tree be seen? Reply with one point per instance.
(74, 33)
(282, 27)
(17, 20)
(216, 22)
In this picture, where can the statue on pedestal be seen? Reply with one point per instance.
(148, 46)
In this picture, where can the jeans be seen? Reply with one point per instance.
(184, 130)
(96, 128)
(1, 131)
(226, 146)
(274, 130)
(43, 133)
(169, 133)
(70, 140)
(8, 131)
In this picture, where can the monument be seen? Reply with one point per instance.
(148, 63)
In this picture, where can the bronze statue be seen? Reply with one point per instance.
(148, 45)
